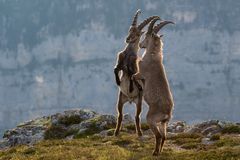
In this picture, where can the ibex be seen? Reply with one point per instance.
(157, 92)
(127, 62)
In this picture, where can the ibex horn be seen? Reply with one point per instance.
(146, 21)
(157, 28)
(134, 23)
(150, 27)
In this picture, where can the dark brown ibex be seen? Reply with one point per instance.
(157, 93)
(127, 62)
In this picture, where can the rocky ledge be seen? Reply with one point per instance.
(81, 123)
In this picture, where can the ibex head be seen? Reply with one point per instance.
(152, 39)
(135, 31)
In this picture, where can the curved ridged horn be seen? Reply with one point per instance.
(146, 21)
(150, 27)
(160, 25)
(134, 23)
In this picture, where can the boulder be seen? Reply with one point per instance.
(207, 128)
(97, 124)
(206, 141)
(176, 127)
(211, 130)
(23, 135)
(60, 125)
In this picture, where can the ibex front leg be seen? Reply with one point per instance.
(116, 71)
(121, 100)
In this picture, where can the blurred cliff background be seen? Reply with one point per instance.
(58, 54)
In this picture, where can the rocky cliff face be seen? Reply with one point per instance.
(61, 53)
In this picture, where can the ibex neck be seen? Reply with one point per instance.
(154, 50)
(133, 47)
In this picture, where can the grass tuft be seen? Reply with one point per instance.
(30, 150)
(231, 129)
(215, 137)
(69, 120)
(186, 135)
(144, 126)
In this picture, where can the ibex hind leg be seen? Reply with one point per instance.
(122, 99)
(138, 113)
(153, 126)
(163, 131)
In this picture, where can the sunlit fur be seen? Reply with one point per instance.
(157, 92)
(125, 82)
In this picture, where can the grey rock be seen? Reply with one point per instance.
(4, 143)
(69, 137)
(99, 122)
(223, 124)
(33, 131)
(206, 141)
(211, 130)
(24, 135)
(82, 130)
(176, 127)
(84, 114)
(127, 119)
(105, 133)
(75, 127)
(81, 114)
(207, 127)
(193, 129)
(206, 124)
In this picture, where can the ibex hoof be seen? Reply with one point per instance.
(155, 153)
(139, 134)
(116, 133)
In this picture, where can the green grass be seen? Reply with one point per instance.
(127, 147)
(215, 137)
(186, 135)
(229, 141)
(231, 129)
(144, 126)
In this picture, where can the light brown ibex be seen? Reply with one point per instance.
(157, 92)
(127, 62)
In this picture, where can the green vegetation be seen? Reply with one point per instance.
(144, 126)
(88, 132)
(231, 129)
(93, 127)
(187, 141)
(215, 137)
(186, 135)
(228, 140)
(44, 121)
(128, 146)
(58, 132)
(69, 120)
